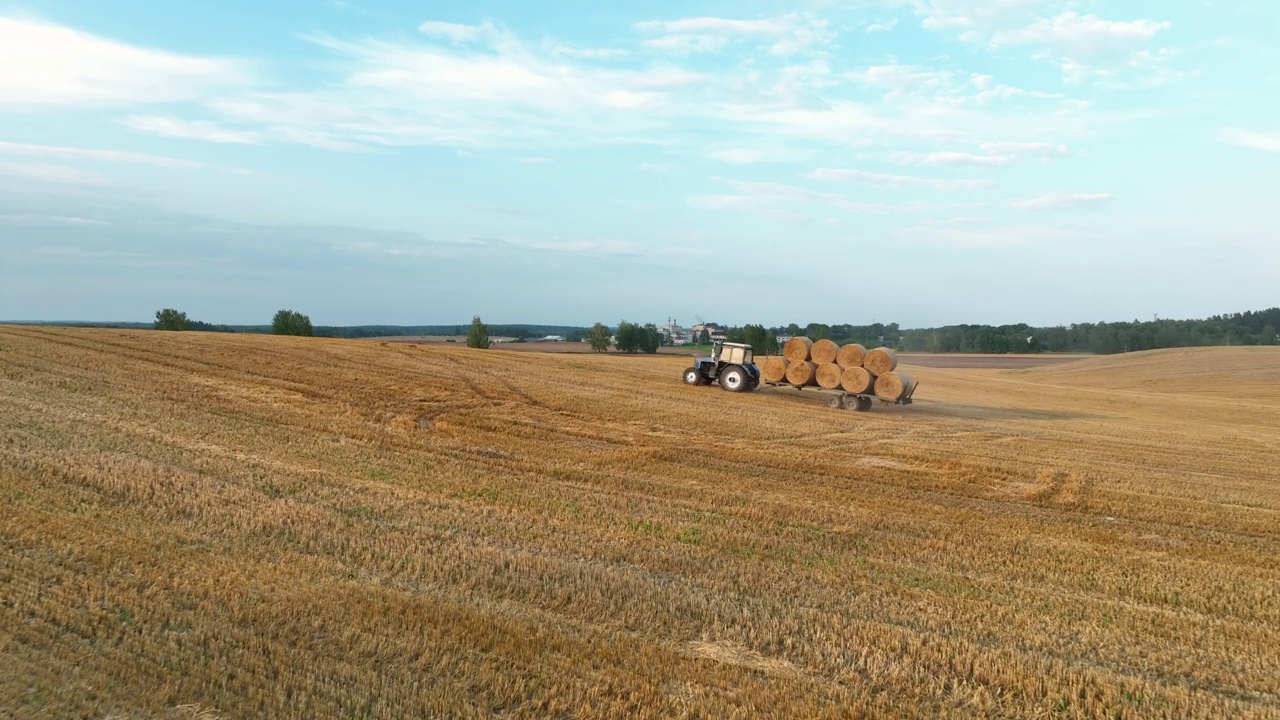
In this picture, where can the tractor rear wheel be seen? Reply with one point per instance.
(692, 376)
(734, 379)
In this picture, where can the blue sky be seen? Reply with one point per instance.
(364, 161)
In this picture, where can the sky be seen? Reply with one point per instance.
(924, 162)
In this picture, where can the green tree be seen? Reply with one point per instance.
(599, 337)
(1268, 336)
(170, 319)
(288, 322)
(650, 339)
(478, 335)
(631, 337)
(704, 337)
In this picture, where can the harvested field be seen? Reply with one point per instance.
(226, 526)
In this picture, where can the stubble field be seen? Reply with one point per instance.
(206, 525)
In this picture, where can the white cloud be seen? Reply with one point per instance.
(58, 174)
(169, 126)
(1060, 200)
(899, 181)
(1253, 140)
(45, 63)
(952, 159)
(789, 34)
(992, 237)
(28, 219)
(460, 34)
(1082, 37)
(1085, 45)
(780, 192)
(747, 204)
(595, 247)
(994, 154)
(555, 47)
(882, 27)
(72, 153)
(1039, 149)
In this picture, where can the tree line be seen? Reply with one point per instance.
(1247, 328)
(285, 322)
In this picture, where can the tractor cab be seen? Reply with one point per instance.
(731, 364)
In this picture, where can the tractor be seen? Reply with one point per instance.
(730, 364)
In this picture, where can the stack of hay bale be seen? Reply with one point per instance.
(852, 368)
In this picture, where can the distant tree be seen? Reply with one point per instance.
(629, 337)
(288, 322)
(650, 339)
(573, 337)
(478, 336)
(1268, 336)
(704, 337)
(170, 319)
(599, 337)
(758, 338)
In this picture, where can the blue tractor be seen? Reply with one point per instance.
(730, 364)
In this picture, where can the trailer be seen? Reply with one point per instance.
(732, 366)
(841, 400)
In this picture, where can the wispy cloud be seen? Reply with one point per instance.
(1060, 200)
(51, 173)
(993, 155)
(748, 204)
(882, 27)
(169, 126)
(899, 181)
(42, 63)
(1269, 142)
(790, 34)
(70, 153)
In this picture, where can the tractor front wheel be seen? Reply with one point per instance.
(693, 376)
(734, 379)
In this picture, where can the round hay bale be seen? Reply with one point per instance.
(857, 380)
(774, 368)
(801, 373)
(828, 375)
(797, 349)
(893, 385)
(823, 352)
(851, 355)
(880, 361)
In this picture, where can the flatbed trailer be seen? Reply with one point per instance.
(840, 399)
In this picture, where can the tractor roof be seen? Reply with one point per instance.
(741, 345)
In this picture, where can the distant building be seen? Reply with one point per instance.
(553, 338)
(673, 334)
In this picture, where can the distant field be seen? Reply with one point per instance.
(228, 526)
(938, 360)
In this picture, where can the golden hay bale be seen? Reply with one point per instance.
(851, 355)
(823, 352)
(857, 380)
(828, 375)
(801, 372)
(880, 361)
(797, 349)
(893, 385)
(774, 368)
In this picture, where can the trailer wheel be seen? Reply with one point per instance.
(693, 377)
(864, 404)
(835, 402)
(734, 379)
